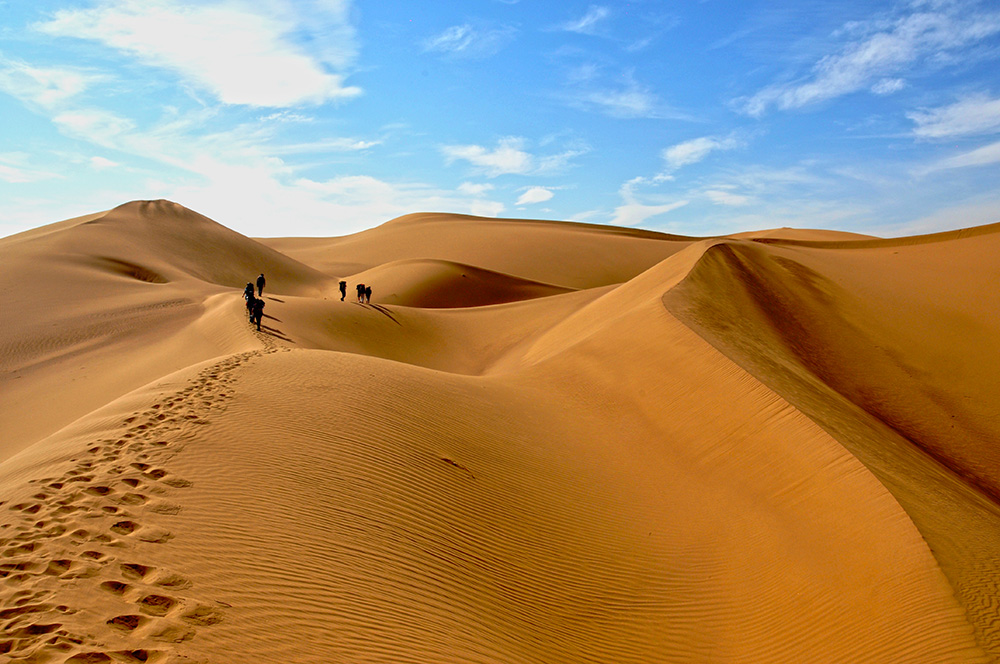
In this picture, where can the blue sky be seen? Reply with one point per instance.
(324, 117)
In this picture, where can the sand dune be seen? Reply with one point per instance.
(436, 284)
(599, 445)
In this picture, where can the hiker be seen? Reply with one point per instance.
(258, 312)
(368, 294)
(260, 285)
(343, 290)
(250, 302)
(248, 291)
(361, 293)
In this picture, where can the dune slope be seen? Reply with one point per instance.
(887, 345)
(614, 446)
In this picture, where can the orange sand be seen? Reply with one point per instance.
(541, 442)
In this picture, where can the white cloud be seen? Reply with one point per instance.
(47, 87)
(241, 52)
(102, 163)
(15, 169)
(964, 215)
(974, 115)
(587, 24)
(693, 151)
(534, 195)
(878, 53)
(629, 102)
(624, 98)
(632, 212)
(474, 188)
(98, 126)
(984, 156)
(470, 42)
(337, 144)
(507, 157)
(723, 196)
(888, 86)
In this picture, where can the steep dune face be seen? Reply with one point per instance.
(887, 345)
(599, 445)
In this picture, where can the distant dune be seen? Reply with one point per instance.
(540, 442)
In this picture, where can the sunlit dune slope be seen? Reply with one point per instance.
(102, 304)
(159, 242)
(890, 345)
(337, 506)
(551, 252)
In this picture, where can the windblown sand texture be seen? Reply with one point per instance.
(541, 442)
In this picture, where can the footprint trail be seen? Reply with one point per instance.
(75, 582)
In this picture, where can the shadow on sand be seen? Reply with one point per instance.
(385, 312)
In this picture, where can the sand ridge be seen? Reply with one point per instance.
(614, 445)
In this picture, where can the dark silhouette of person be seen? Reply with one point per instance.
(260, 285)
(248, 291)
(250, 301)
(343, 290)
(258, 312)
(368, 294)
(361, 293)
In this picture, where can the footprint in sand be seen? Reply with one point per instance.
(135, 571)
(126, 623)
(156, 605)
(115, 587)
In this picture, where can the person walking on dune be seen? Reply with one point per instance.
(361, 293)
(250, 302)
(343, 290)
(368, 294)
(258, 311)
(248, 291)
(260, 284)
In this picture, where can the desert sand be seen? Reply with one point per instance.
(540, 442)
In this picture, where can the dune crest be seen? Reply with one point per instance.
(540, 442)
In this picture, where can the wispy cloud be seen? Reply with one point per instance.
(589, 22)
(102, 163)
(509, 157)
(983, 156)
(475, 188)
(534, 195)
(16, 169)
(241, 52)
(633, 212)
(878, 53)
(725, 196)
(44, 87)
(973, 115)
(467, 41)
(623, 98)
(695, 150)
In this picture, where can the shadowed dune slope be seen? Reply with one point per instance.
(890, 346)
(435, 284)
(615, 446)
(552, 252)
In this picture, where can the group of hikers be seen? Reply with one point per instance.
(364, 293)
(255, 304)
